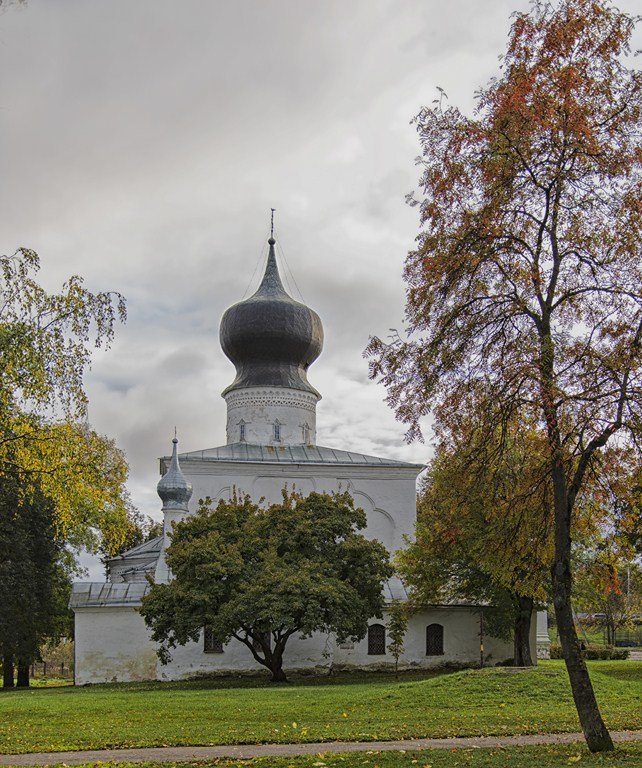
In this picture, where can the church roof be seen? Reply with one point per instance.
(271, 338)
(87, 594)
(149, 548)
(291, 454)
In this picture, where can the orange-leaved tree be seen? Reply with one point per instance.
(526, 283)
(484, 527)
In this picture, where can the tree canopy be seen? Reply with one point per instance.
(35, 573)
(259, 575)
(484, 528)
(62, 485)
(46, 343)
(524, 291)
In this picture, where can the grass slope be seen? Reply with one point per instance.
(472, 702)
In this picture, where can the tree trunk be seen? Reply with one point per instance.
(7, 671)
(596, 734)
(522, 642)
(595, 731)
(23, 674)
(278, 675)
(276, 667)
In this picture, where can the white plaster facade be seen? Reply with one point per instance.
(271, 416)
(271, 445)
(112, 644)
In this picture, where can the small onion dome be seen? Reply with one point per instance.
(271, 338)
(173, 487)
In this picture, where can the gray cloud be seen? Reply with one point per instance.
(142, 145)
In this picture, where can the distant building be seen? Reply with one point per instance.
(271, 443)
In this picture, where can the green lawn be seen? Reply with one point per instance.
(627, 756)
(472, 702)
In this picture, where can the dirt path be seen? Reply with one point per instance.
(175, 754)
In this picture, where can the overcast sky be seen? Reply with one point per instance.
(142, 145)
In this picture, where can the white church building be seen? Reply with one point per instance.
(271, 443)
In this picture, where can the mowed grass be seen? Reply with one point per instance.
(472, 702)
(554, 756)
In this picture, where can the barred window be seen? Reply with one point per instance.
(277, 431)
(210, 643)
(242, 432)
(376, 640)
(434, 640)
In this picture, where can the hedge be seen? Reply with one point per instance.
(594, 652)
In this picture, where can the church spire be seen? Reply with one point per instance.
(173, 487)
(271, 285)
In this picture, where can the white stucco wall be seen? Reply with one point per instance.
(386, 494)
(543, 640)
(314, 653)
(321, 652)
(112, 645)
(259, 407)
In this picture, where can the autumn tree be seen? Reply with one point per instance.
(62, 485)
(609, 594)
(260, 575)
(525, 285)
(46, 343)
(484, 527)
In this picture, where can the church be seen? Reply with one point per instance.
(272, 340)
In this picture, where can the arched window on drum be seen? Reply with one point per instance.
(434, 640)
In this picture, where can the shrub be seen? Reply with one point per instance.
(595, 652)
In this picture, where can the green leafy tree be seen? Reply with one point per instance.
(397, 624)
(35, 571)
(70, 490)
(484, 527)
(46, 340)
(525, 284)
(262, 574)
(46, 343)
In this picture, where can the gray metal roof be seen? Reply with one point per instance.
(290, 454)
(151, 547)
(395, 589)
(94, 594)
(88, 594)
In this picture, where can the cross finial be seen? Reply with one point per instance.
(272, 223)
(175, 440)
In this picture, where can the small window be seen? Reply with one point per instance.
(242, 432)
(434, 640)
(277, 432)
(210, 643)
(376, 640)
(306, 434)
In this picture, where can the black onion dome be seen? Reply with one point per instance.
(271, 338)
